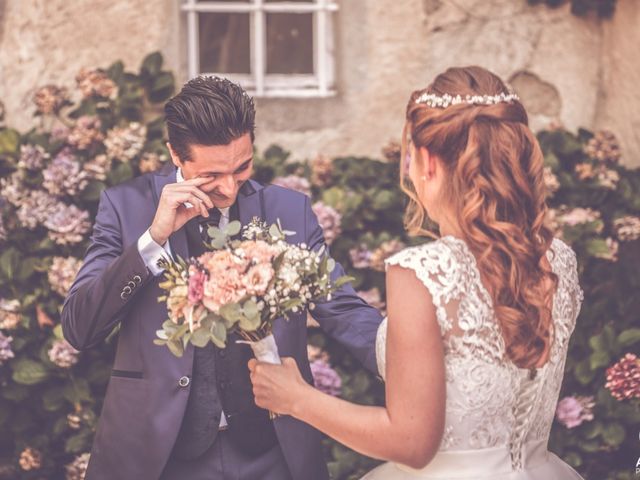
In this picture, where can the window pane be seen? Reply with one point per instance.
(289, 43)
(224, 43)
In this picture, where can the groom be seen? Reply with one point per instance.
(194, 417)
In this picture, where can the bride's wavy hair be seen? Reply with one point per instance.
(494, 182)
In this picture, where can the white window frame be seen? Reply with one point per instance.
(258, 82)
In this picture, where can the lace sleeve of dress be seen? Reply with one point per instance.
(435, 266)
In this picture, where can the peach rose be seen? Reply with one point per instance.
(257, 279)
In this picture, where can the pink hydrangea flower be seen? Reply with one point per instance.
(572, 411)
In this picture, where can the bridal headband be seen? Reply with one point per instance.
(443, 101)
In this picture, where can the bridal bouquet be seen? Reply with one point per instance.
(243, 286)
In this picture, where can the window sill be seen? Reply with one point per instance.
(293, 93)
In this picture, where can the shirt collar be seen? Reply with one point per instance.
(180, 178)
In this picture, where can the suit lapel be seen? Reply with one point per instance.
(250, 202)
(178, 243)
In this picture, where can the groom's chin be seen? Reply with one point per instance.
(223, 204)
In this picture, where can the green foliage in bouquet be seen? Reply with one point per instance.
(109, 130)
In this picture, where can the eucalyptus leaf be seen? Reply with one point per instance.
(250, 310)
(231, 312)
(200, 337)
(175, 347)
(233, 228)
(249, 324)
(218, 334)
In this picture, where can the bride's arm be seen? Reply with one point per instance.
(409, 429)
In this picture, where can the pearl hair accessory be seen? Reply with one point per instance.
(443, 101)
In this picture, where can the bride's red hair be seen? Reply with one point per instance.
(495, 185)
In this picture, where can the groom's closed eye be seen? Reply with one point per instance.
(244, 166)
(240, 169)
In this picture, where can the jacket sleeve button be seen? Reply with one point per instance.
(184, 381)
(137, 279)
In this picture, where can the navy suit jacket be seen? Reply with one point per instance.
(144, 404)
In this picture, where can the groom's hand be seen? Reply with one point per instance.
(172, 214)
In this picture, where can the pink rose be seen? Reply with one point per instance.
(196, 284)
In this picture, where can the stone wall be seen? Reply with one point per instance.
(575, 71)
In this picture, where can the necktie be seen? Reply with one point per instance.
(213, 220)
(204, 408)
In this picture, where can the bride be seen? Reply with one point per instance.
(474, 345)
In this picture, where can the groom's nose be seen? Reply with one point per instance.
(227, 186)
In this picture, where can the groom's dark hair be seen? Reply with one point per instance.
(209, 110)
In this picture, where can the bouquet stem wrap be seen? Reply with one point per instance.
(265, 350)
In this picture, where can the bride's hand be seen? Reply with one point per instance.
(278, 388)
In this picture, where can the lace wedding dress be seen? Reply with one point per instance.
(498, 416)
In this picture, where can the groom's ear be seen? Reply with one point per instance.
(174, 156)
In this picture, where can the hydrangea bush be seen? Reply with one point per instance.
(108, 129)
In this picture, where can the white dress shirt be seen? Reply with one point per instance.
(151, 252)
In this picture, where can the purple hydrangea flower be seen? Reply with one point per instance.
(32, 157)
(5, 348)
(329, 219)
(360, 256)
(36, 208)
(325, 378)
(65, 175)
(68, 224)
(63, 354)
